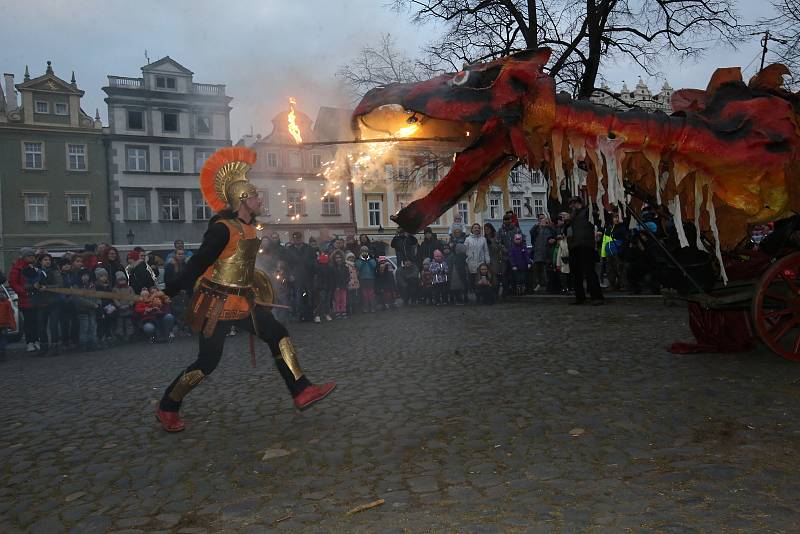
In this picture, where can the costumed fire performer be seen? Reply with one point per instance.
(229, 290)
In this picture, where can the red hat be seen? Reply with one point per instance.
(382, 259)
(133, 255)
(323, 259)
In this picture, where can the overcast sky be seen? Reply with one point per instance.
(263, 50)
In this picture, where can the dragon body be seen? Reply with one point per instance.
(725, 158)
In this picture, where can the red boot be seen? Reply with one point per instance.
(170, 421)
(313, 394)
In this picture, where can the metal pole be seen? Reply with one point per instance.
(764, 41)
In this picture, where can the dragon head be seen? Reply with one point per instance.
(495, 107)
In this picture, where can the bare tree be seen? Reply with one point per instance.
(784, 30)
(381, 65)
(581, 32)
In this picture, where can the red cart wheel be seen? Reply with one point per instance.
(776, 307)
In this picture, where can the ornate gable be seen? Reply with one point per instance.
(49, 83)
(166, 65)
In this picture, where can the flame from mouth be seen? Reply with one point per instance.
(294, 130)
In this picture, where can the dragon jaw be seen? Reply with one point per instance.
(483, 105)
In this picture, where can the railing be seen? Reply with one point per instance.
(121, 81)
(208, 89)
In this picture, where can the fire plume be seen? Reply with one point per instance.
(294, 130)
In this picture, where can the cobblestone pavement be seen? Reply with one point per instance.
(523, 417)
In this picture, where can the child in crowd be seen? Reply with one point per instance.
(426, 282)
(323, 285)
(353, 285)
(408, 281)
(105, 314)
(485, 285)
(520, 260)
(366, 266)
(86, 309)
(384, 284)
(154, 315)
(458, 275)
(341, 282)
(439, 269)
(123, 325)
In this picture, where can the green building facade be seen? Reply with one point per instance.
(53, 171)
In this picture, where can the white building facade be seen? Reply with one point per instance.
(641, 97)
(162, 128)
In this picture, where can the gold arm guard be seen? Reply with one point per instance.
(185, 384)
(262, 288)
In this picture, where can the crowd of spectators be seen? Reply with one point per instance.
(53, 322)
(337, 278)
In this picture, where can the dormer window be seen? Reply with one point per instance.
(42, 107)
(62, 108)
(165, 82)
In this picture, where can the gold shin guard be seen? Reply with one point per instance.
(289, 356)
(185, 384)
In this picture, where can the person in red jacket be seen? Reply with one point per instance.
(19, 283)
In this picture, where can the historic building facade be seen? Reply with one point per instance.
(53, 189)
(162, 128)
(641, 97)
(289, 178)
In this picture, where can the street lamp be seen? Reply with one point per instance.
(131, 236)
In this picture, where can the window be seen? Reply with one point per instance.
(388, 171)
(171, 207)
(165, 82)
(76, 157)
(538, 206)
(35, 207)
(202, 211)
(494, 207)
(463, 210)
(515, 176)
(294, 160)
(135, 119)
(264, 202)
(78, 206)
(295, 202)
(200, 157)
(330, 205)
(204, 124)
(433, 170)
(516, 205)
(272, 159)
(536, 177)
(136, 208)
(34, 155)
(404, 166)
(62, 108)
(170, 160)
(402, 201)
(316, 161)
(42, 107)
(374, 212)
(170, 121)
(137, 159)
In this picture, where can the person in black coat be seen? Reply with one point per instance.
(405, 246)
(301, 260)
(430, 242)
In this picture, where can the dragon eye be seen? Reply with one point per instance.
(461, 77)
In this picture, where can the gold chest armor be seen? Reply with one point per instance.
(238, 269)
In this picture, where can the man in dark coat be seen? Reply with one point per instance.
(302, 263)
(583, 253)
(405, 246)
(429, 243)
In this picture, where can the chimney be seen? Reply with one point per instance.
(11, 94)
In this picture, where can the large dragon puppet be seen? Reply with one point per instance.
(725, 158)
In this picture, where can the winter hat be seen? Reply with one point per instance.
(517, 238)
(323, 259)
(26, 251)
(382, 259)
(100, 272)
(134, 255)
(437, 255)
(120, 276)
(426, 262)
(350, 257)
(364, 249)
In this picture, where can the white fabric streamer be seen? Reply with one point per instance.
(699, 182)
(712, 215)
(677, 219)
